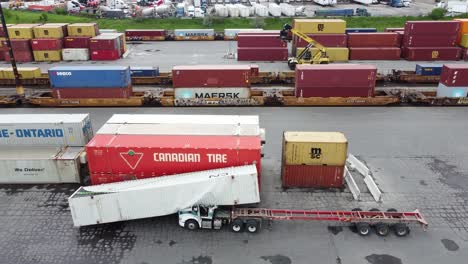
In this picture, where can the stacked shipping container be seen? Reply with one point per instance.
(77, 44)
(20, 36)
(261, 46)
(431, 40)
(105, 47)
(453, 81)
(335, 80)
(90, 82)
(314, 159)
(462, 39)
(145, 34)
(374, 46)
(328, 32)
(48, 42)
(143, 146)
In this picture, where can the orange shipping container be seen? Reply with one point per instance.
(463, 28)
(305, 176)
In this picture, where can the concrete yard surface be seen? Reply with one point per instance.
(417, 157)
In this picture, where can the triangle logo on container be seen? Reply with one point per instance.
(131, 158)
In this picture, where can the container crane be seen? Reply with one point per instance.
(305, 56)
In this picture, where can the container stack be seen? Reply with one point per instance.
(145, 146)
(212, 81)
(2, 43)
(76, 45)
(90, 82)
(43, 148)
(331, 33)
(314, 159)
(374, 46)
(20, 39)
(261, 46)
(453, 81)
(48, 42)
(145, 34)
(105, 47)
(25, 73)
(431, 40)
(463, 37)
(335, 80)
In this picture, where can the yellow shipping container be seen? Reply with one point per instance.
(1, 41)
(22, 31)
(334, 54)
(464, 41)
(24, 72)
(314, 148)
(48, 55)
(82, 29)
(320, 26)
(48, 31)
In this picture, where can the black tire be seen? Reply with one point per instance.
(191, 225)
(237, 226)
(374, 210)
(400, 229)
(363, 229)
(392, 210)
(356, 209)
(382, 229)
(252, 226)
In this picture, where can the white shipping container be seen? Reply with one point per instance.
(40, 165)
(75, 54)
(364, 2)
(72, 130)
(160, 196)
(446, 91)
(231, 33)
(182, 119)
(212, 93)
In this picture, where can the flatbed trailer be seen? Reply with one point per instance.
(46, 100)
(250, 219)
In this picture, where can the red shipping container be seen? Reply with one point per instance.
(17, 45)
(105, 54)
(2, 56)
(264, 32)
(260, 41)
(454, 75)
(66, 93)
(307, 176)
(145, 34)
(103, 42)
(46, 44)
(361, 77)
(76, 42)
(394, 29)
(327, 40)
(262, 54)
(211, 76)
(429, 40)
(390, 53)
(465, 54)
(431, 54)
(20, 56)
(432, 28)
(382, 39)
(112, 157)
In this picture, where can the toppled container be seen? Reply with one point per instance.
(161, 196)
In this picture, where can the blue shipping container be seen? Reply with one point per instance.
(90, 77)
(429, 69)
(360, 30)
(144, 71)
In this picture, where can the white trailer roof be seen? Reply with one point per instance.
(37, 153)
(41, 118)
(183, 119)
(163, 195)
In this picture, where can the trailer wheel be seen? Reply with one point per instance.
(191, 224)
(356, 209)
(363, 229)
(382, 229)
(374, 210)
(237, 226)
(392, 210)
(252, 226)
(401, 229)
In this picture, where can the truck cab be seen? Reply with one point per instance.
(205, 217)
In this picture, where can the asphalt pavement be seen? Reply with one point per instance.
(417, 156)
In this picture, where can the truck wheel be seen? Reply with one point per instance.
(237, 226)
(400, 229)
(356, 209)
(191, 224)
(252, 226)
(363, 229)
(382, 229)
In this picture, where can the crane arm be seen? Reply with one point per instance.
(309, 40)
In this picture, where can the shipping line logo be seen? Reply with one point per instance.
(32, 133)
(132, 158)
(63, 73)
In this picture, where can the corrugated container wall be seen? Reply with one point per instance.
(90, 76)
(49, 31)
(145, 34)
(46, 44)
(47, 55)
(327, 40)
(262, 54)
(382, 39)
(45, 129)
(251, 41)
(448, 91)
(20, 56)
(98, 92)
(429, 40)
(24, 72)
(22, 31)
(76, 42)
(387, 53)
(304, 176)
(194, 34)
(428, 69)
(207, 93)
(105, 55)
(334, 54)
(83, 29)
(325, 26)
(432, 54)
(432, 27)
(144, 156)
(75, 54)
(211, 76)
(360, 30)
(463, 27)
(315, 148)
(40, 165)
(145, 71)
(183, 119)
(454, 75)
(2, 32)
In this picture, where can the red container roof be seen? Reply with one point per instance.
(211, 67)
(335, 67)
(180, 142)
